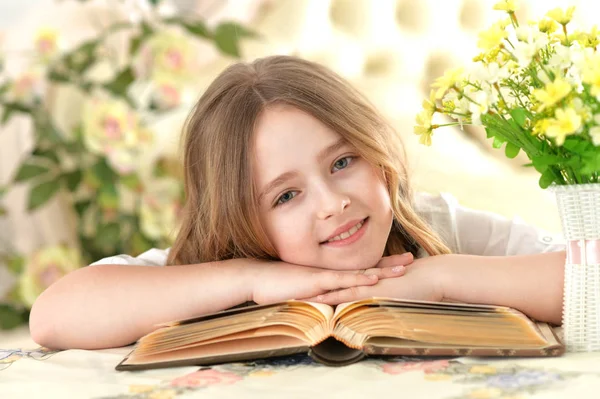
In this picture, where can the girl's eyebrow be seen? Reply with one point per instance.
(324, 153)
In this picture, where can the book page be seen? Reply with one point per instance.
(496, 327)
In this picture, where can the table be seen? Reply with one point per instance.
(29, 371)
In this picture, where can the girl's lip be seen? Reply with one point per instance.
(349, 240)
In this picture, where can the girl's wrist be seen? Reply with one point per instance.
(445, 276)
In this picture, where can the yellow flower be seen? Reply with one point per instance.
(451, 78)
(45, 267)
(565, 123)
(507, 5)
(552, 93)
(492, 37)
(482, 369)
(589, 39)
(590, 73)
(561, 16)
(423, 127)
(430, 104)
(540, 127)
(547, 26)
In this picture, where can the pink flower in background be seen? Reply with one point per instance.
(45, 267)
(160, 207)
(404, 367)
(46, 43)
(202, 378)
(112, 128)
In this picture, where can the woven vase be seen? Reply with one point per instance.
(579, 209)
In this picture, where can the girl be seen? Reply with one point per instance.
(297, 188)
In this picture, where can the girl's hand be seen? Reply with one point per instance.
(421, 281)
(280, 281)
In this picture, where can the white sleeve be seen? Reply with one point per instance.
(152, 257)
(490, 234)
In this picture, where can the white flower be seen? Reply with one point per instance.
(530, 41)
(478, 106)
(595, 131)
(563, 58)
(490, 73)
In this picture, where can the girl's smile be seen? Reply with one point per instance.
(345, 236)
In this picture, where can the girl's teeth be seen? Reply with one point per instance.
(348, 233)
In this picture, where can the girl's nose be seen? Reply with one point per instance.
(332, 203)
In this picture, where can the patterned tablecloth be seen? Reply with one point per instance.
(34, 372)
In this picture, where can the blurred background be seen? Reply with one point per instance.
(93, 95)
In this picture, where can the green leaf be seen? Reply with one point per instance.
(3, 191)
(197, 28)
(49, 155)
(72, 179)
(227, 37)
(16, 265)
(109, 197)
(103, 172)
(591, 163)
(6, 115)
(108, 235)
(41, 194)
(511, 150)
(132, 181)
(547, 178)
(519, 115)
(81, 207)
(497, 143)
(137, 41)
(79, 59)
(3, 211)
(11, 317)
(139, 243)
(121, 82)
(29, 170)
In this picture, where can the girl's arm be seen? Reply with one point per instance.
(114, 305)
(531, 283)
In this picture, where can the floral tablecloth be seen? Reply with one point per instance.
(34, 372)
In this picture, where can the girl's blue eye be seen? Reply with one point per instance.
(343, 163)
(285, 197)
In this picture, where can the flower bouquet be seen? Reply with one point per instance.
(535, 87)
(106, 162)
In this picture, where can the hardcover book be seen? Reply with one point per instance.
(344, 334)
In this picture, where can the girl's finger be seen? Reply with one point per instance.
(328, 281)
(386, 272)
(341, 296)
(396, 260)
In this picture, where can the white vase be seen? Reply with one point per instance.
(579, 209)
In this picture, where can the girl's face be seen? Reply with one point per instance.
(320, 203)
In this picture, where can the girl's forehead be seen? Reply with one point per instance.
(289, 129)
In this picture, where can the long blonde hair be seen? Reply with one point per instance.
(220, 217)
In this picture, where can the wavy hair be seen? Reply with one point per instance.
(220, 215)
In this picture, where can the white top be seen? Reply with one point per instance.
(464, 230)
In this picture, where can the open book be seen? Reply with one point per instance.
(344, 334)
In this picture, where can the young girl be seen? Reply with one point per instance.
(297, 188)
